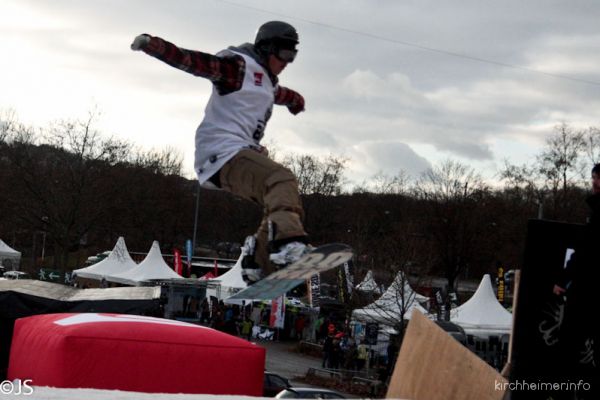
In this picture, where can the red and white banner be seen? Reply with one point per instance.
(277, 317)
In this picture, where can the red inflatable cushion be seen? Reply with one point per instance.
(133, 353)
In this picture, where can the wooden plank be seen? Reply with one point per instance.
(433, 365)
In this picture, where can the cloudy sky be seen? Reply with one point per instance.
(391, 85)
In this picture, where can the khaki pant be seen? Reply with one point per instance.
(256, 177)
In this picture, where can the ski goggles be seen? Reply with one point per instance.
(286, 55)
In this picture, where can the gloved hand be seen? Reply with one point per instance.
(140, 42)
(296, 105)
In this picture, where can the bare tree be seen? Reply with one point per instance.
(557, 175)
(591, 138)
(559, 162)
(382, 183)
(316, 176)
(60, 180)
(452, 192)
(167, 161)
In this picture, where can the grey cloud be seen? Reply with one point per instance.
(392, 157)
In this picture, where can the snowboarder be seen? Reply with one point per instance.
(229, 155)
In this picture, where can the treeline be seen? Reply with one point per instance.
(79, 191)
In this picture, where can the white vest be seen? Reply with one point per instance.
(234, 121)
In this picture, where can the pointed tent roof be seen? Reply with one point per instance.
(232, 282)
(152, 267)
(401, 286)
(233, 278)
(483, 313)
(388, 308)
(118, 261)
(368, 284)
(6, 250)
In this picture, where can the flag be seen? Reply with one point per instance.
(314, 290)
(189, 251)
(500, 286)
(216, 269)
(277, 317)
(177, 262)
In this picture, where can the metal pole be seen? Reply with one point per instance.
(43, 246)
(196, 219)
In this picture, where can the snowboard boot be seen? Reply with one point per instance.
(289, 253)
(251, 271)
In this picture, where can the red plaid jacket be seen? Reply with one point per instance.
(226, 73)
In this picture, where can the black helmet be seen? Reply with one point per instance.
(277, 38)
(276, 31)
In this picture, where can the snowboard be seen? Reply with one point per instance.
(319, 259)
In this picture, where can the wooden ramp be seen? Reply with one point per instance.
(433, 365)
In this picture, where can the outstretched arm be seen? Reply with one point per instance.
(226, 73)
(289, 98)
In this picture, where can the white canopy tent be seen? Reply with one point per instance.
(368, 284)
(388, 309)
(231, 282)
(153, 267)
(118, 261)
(402, 286)
(483, 315)
(9, 257)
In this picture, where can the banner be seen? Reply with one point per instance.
(349, 276)
(501, 287)
(189, 253)
(277, 317)
(177, 263)
(314, 290)
(345, 284)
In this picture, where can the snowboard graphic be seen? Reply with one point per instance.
(320, 259)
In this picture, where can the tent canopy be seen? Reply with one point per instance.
(483, 314)
(118, 261)
(232, 282)
(401, 287)
(233, 278)
(9, 257)
(153, 267)
(398, 301)
(6, 250)
(368, 284)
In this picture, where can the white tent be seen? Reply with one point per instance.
(118, 261)
(9, 257)
(233, 277)
(402, 286)
(368, 284)
(388, 308)
(483, 315)
(231, 281)
(152, 267)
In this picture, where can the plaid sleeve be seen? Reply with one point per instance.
(226, 73)
(287, 97)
